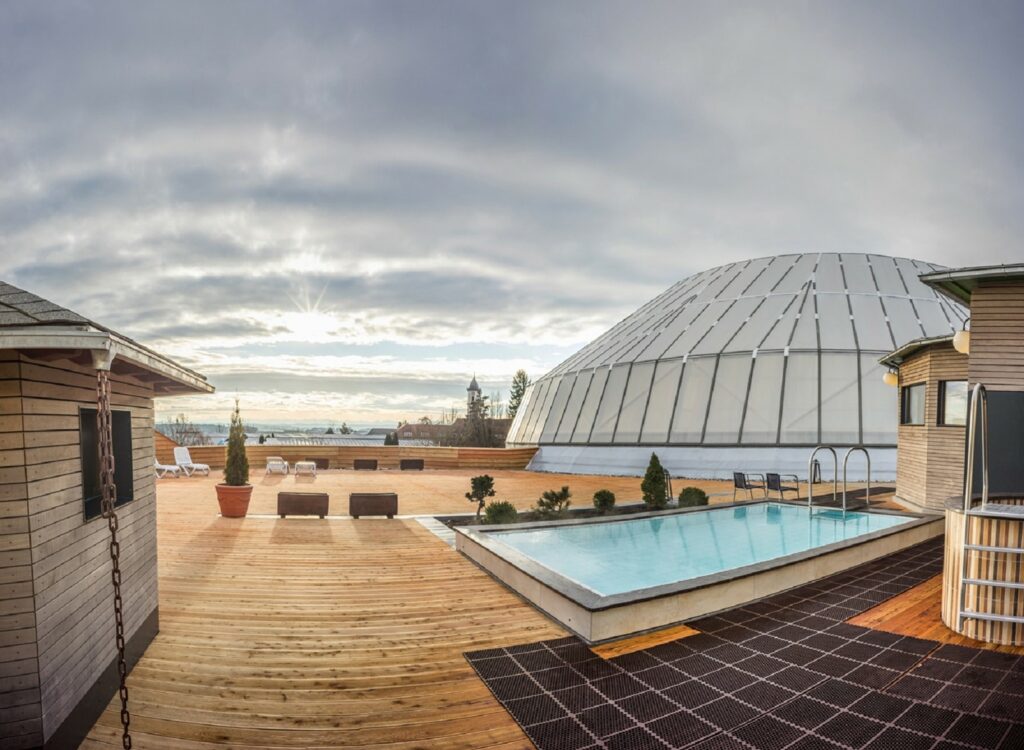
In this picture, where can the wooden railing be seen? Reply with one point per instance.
(342, 456)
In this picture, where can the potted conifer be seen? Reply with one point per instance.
(234, 492)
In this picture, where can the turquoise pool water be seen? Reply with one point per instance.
(619, 556)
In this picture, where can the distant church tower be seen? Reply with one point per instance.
(473, 393)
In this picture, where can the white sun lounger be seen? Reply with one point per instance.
(186, 464)
(305, 467)
(163, 470)
(276, 465)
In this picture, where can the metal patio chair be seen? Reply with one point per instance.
(741, 482)
(774, 484)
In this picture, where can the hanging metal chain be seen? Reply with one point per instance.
(108, 500)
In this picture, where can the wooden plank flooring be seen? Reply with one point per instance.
(302, 633)
(918, 613)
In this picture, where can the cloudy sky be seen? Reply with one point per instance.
(341, 210)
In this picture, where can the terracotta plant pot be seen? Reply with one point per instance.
(234, 501)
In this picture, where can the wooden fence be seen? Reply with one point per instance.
(342, 456)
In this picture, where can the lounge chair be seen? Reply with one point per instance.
(276, 465)
(163, 470)
(305, 467)
(186, 464)
(774, 482)
(740, 482)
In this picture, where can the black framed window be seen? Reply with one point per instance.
(121, 425)
(912, 404)
(953, 403)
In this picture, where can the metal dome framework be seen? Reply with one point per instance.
(774, 352)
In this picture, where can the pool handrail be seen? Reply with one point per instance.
(835, 474)
(867, 490)
(979, 396)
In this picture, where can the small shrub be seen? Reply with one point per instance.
(655, 492)
(553, 503)
(604, 500)
(481, 488)
(236, 468)
(500, 511)
(691, 497)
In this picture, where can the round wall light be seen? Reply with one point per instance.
(962, 339)
(891, 377)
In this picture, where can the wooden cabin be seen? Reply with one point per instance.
(932, 415)
(57, 638)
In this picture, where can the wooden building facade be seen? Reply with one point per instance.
(57, 643)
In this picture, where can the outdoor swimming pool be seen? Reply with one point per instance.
(624, 555)
(605, 578)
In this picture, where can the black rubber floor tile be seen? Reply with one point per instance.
(532, 661)
(730, 653)
(837, 693)
(560, 734)
(898, 660)
(763, 665)
(524, 648)
(728, 679)
(726, 713)
(636, 738)
(662, 676)
(647, 707)
(720, 742)
(578, 698)
(881, 706)
(517, 686)
(765, 644)
(917, 646)
(879, 638)
(805, 712)
(764, 695)
(557, 678)
(928, 719)
(797, 654)
(938, 669)
(692, 694)
(486, 653)
(501, 666)
(1003, 706)
(977, 731)
(871, 676)
(894, 738)
(915, 688)
(796, 678)
(850, 729)
(535, 710)
(832, 666)
(952, 652)
(670, 651)
(768, 733)
(574, 653)
(681, 728)
(605, 719)
(1013, 683)
(596, 668)
(793, 633)
(979, 677)
(810, 742)
(858, 650)
(697, 665)
(618, 686)
(959, 698)
(995, 660)
(1014, 738)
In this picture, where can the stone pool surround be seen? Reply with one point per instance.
(596, 618)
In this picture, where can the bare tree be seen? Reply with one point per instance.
(183, 432)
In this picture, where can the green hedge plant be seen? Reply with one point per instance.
(653, 487)
(691, 497)
(500, 511)
(553, 503)
(604, 500)
(480, 488)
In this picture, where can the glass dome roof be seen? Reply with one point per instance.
(774, 351)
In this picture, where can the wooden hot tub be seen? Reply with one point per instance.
(992, 600)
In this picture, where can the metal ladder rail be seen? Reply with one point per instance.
(810, 475)
(979, 403)
(867, 490)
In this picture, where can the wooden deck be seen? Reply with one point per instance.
(329, 634)
(918, 613)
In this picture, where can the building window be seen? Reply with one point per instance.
(953, 402)
(121, 425)
(912, 404)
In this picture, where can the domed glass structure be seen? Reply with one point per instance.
(743, 367)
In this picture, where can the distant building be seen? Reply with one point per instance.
(473, 393)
